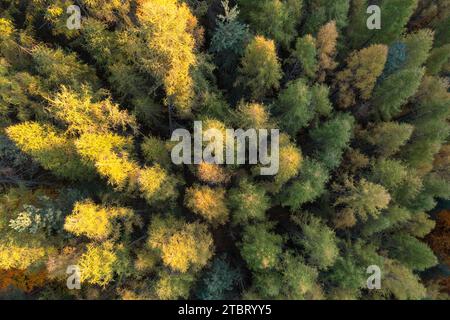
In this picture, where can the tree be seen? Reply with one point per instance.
(156, 184)
(308, 187)
(260, 69)
(411, 252)
(276, 19)
(82, 115)
(365, 198)
(320, 102)
(230, 35)
(331, 138)
(182, 245)
(438, 58)
(109, 154)
(260, 247)
(290, 163)
(358, 79)
(163, 21)
(294, 106)
(97, 264)
(208, 203)
(218, 282)
(395, 91)
(50, 149)
(388, 137)
(326, 48)
(94, 221)
(248, 202)
(306, 53)
(299, 279)
(318, 241)
(394, 16)
(171, 286)
(402, 283)
(323, 11)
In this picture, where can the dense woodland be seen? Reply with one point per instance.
(86, 176)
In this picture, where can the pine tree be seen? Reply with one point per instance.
(294, 106)
(395, 91)
(308, 187)
(322, 11)
(411, 252)
(276, 19)
(326, 48)
(260, 247)
(306, 53)
(318, 241)
(182, 245)
(332, 138)
(51, 149)
(260, 70)
(248, 202)
(94, 221)
(208, 203)
(359, 77)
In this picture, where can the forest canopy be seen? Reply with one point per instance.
(87, 181)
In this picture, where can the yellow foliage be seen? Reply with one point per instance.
(260, 69)
(363, 69)
(19, 257)
(209, 203)
(182, 245)
(108, 153)
(97, 264)
(93, 221)
(52, 150)
(290, 163)
(212, 173)
(84, 116)
(253, 115)
(172, 48)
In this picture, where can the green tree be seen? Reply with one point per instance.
(248, 202)
(260, 69)
(331, 138)
(306, 53)
(411, 252)
(294, 106)
(260, 247)
(318, 241)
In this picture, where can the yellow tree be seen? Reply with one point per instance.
(183, 246)
(51, 149)
(94, 221)
(360, 76)
(168, 26)
(209, 203)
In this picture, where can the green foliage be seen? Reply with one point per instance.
(294, 105)
(308, 187)
(276, 19)
(332, 138)
(324, 11)
(411, 252)
(394, 92)
(260, 247)
(248, 202)
(306, 53)
(260, 70)
(218, 282)
(318, 241)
